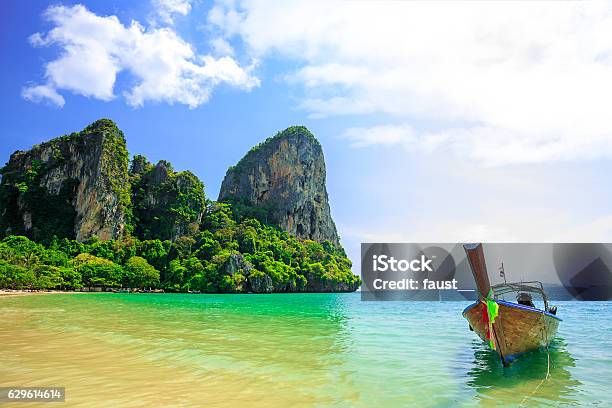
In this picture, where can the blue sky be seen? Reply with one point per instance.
(439, 122)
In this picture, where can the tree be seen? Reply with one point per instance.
(97, 271)
(175, 275)
(140, 273)
(16, 277)
(207, 246)
(21, 251)
(71, 279)
(48, 277)
(54, 257)
(154, 252)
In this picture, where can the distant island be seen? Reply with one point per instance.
(77, 214)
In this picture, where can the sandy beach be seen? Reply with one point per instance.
(10, 292)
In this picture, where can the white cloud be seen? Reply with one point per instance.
(220, 46)
(380, 135)
(40, 93)
(442, 232)
(487, 146)
(542, 225)
(534, 79)
(167, 9)
(96, 49)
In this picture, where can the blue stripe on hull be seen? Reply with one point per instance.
(515, 306)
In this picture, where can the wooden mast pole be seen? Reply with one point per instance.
(475, 256)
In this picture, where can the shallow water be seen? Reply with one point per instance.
(297, 350)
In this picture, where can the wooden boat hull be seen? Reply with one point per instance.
(517, 328)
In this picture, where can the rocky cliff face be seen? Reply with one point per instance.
(285, 177)
(75, 186)
(167, 204)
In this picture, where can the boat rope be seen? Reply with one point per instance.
(541, 382)
(545, 338)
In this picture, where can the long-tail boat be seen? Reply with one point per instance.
(509, 327)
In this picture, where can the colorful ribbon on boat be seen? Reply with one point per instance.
(489, 312)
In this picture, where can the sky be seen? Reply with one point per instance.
(440, 121)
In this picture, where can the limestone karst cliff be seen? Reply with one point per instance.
(74, 186)
(285, 176)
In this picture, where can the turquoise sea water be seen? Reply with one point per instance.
(310, 350)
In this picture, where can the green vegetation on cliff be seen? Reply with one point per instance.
(226, 255)
(292, 131)
(167, 204)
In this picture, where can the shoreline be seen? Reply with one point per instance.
(21, 292)
(27, 292)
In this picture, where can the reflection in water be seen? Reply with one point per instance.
(494, 382)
